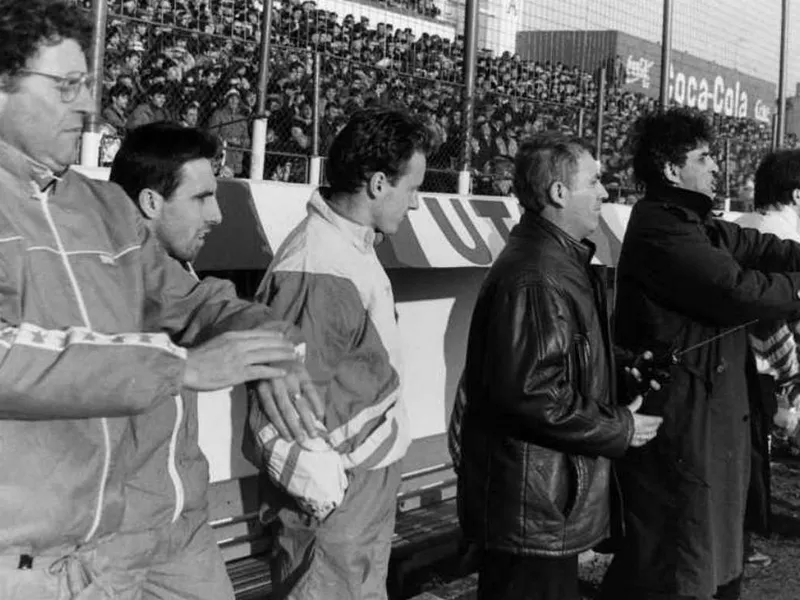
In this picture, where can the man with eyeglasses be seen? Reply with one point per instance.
(97, 323)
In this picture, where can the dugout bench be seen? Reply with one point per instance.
(426, 530)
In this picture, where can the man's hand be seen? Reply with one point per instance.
(645, 427)
(293, 405)
(645, 374)
(236, 357)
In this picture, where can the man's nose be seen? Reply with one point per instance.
(213, 213)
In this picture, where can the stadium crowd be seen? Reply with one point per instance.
(194, 61)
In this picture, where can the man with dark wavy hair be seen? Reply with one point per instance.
(326, 279)
(690, 282)
(97, 323)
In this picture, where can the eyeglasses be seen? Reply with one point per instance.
(69, 85)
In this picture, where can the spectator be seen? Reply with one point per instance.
(152, 110)
(190, 115)
(230, 124)
(116, 115)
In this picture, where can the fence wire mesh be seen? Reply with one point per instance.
(538, 69)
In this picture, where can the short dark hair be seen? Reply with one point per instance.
(27, 26)
(374, 140)
(777, 177)
(542, 161)
(152, 156)
(665, 138)
(119, 89)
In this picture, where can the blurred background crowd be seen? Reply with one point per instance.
(195, 62)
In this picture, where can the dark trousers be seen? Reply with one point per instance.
(504, 576)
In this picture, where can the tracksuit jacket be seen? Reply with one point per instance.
(93, 314)
(327, 280)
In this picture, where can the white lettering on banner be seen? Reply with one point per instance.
(680, 88)
(638, 70)
(719, 92)
(696, 92)
(702, 97)
(691, 91)
(762, 111)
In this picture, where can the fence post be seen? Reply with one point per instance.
(601, 111)
(666, 54)
(315, 164)
(781, 121)
(259, 138)
(727, 167)
(91, 136)
(468, 116)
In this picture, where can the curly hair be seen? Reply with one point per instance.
(26, 26)
(665, 138)
(374, 140)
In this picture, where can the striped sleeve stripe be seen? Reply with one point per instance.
(53, 340)
(378, 438)
(345, 432)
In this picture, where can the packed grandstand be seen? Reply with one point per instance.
(196, 61)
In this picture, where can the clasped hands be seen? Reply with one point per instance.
(270, 361)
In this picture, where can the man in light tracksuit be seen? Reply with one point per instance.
(165, 548)
(97, 323)
(326, 279)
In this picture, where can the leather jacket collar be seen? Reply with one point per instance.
(533, 225)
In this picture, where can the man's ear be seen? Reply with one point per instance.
(377, 184)
(796, 196)
(671, 171)
(150, 202)
(557, 192)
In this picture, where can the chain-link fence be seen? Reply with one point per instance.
(188, 62)
(539, 68)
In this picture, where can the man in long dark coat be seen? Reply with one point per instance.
(688, 281)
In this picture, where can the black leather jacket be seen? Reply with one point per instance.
(541, 419)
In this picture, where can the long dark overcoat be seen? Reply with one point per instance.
(685, 277)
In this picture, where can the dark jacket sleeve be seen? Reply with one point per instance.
(762, 251)
(531, 379)
(676, 264)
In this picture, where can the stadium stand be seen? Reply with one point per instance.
(200, 55)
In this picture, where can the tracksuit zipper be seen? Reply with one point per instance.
(98, 515)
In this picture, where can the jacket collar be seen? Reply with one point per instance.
(26, 169)
(531, 225)
(695, 202)
(360, 236)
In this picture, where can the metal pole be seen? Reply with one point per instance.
(601, 111)
(90, 139)
(316, 161)
(259, 138)
(468, 110)
(580, 122)
(666, 54)
(781, 128)
(727, 167)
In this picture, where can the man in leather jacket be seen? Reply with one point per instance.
(541, 418)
